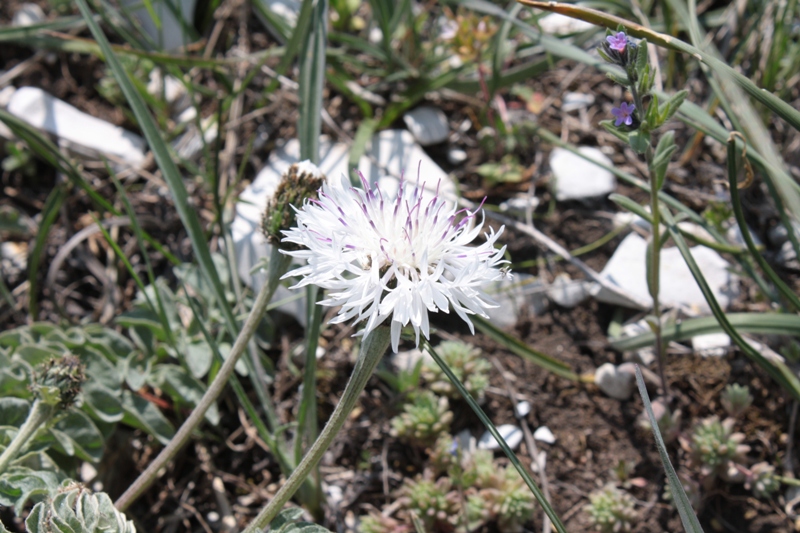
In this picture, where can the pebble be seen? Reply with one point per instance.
(523, 294)
(575, 178)
(44, 111)
(518, 206)
(523, 408)
(543, 434)
(618, 382)
(711, 345)
(456, 156)
(575, 101)
(627, 269)
(27, 14)
(558, 24)
(568, 293)
(510, 433)
(427, 124)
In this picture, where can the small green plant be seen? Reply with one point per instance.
(716, 449)
(433, 502)
(612, 510)
(761, 479)
(512, 501)
(377, 523)
(736, 399)
(76, 509)
(424, 419)
(466, 362)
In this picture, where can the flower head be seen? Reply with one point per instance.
(624, 114)
(401, 257)
(617, 42)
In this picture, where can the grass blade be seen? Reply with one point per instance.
(688, 517)
(312, 78)
(548, 509)
(49, 213)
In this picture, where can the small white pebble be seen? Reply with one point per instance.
(543, 434)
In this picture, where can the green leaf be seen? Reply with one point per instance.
(77, 435)
(198, 358)
(681, 501)
(141, 414)
(615, 131)
(639, 141)
(618, 78)
(666, 147)
(13, 411)
(19, 485)
(671, 106)
(641, 57)
(183, 389)
(101, 402)
(312, 79)
(286, 517)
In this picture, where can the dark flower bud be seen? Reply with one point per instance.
(301, 181)
(59, 381)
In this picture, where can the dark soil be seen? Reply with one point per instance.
(594, 433)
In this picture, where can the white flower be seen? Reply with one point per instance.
(381, 257)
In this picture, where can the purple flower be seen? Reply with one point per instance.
(624, 114)
(617, 42)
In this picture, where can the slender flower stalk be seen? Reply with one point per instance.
(38, 416)
(372, 350)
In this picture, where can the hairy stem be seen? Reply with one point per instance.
(38, 416)
(278, 265)
(372, 351)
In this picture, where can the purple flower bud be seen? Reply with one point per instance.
(618, 42)
(624, 114)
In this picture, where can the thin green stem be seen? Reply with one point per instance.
(372, 351)
(38, 416)
(278, 265)
(654, 272)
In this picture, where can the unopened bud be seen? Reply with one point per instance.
(59, 381)
(301, 181)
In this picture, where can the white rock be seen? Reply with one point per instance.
(734, 235)
(406, 361)
(375, 35)
(88, 472)
(5, 95)
(523, 408)
(576, 178)
(557, 24)
(427, 124)
(28, 14)
(171, 35)
(84, 132)
(390, 154)
(711, 345)
(189, 145)
(543, 434)
(510, 433)
(170, 87)
(465, 441)
(521, 295)
(617, 382)
(568, 293)
(626, 269)
(519, 206)
(575, 101)
(456, 156)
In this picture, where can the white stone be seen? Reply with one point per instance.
(575, 101)
(28, 14)
(170, 87)
(543, 434)
(5, 95)
(575, 178)
(523, 408)
(711, 344)
(465, 441)
(558, 24)
(390, 154)
(171, 35)
(627, 270)
(521, 295)
(618, 382)
(568, 293)
(84, 132)
(510, 433)
(519, 206)
(427, 124)
(88, 472)
(734, 235)
(406, 361)
(456, 156)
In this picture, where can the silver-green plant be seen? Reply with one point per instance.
(466, 362)
(612, 510)
(761, 479)
(512, 502)
(423, 419)
(716, 450)
(76, 509)
(378, 523)
(735, 399)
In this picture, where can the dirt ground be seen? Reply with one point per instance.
(593, 432)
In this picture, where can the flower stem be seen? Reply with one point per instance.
(655, 247)
(38, 416)
(278, 264)
(372, 351)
